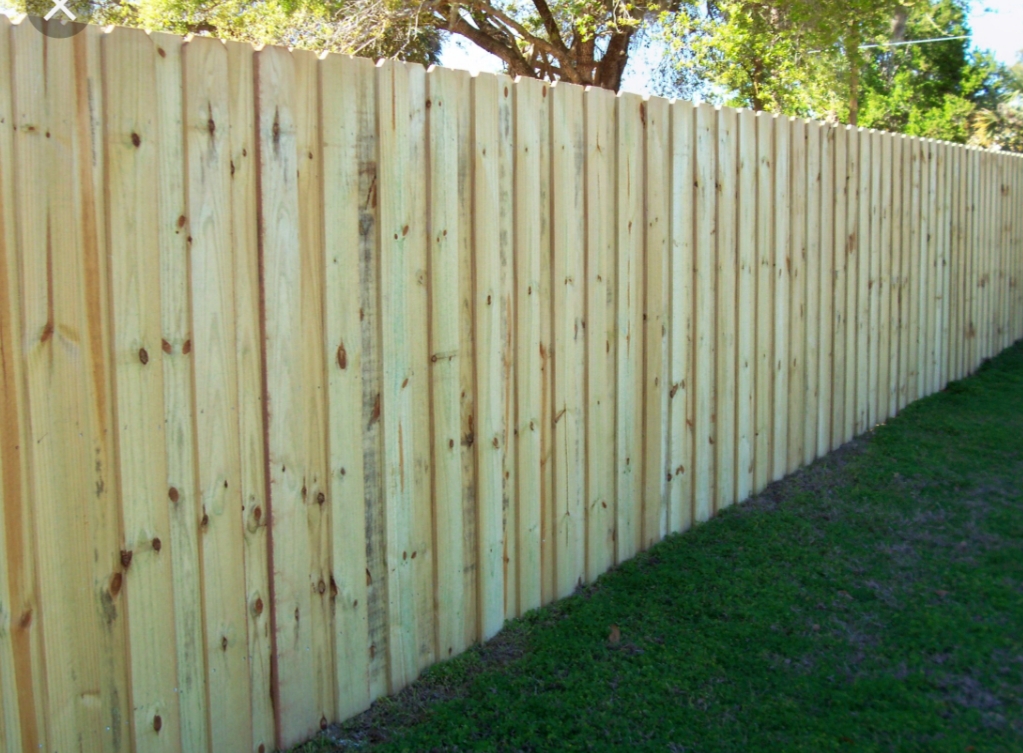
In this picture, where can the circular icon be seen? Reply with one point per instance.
(58, 24)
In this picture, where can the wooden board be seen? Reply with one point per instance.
(704, 316)
(401, 113)
(248, 345)
(134, 146)
(310, 377)
(21, 643)
(895, 277)
(883, 281)
(531, 243)
(861, 314)
(812, 305)
(568, 294)
(726, 261)
(873, 282)
(764, 392)
(657, 305)
(348, 133)
(69, 421)
(680, 330)
(928, 240)
(295, 698)
(746, 291)
(825, 344)
(179, 400)
(797, 266)
(840, 288)
(490, 367)
(852, 257)
(213, 356)
(913, 284)
(545, 348)
(906, 225)
(629, 398)
(601, 329)
(505, 232)
(782, 294)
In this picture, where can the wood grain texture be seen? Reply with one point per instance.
(249, 349)
(826, 318)
(746, 359)
(21, 639)
(629, 402)
(490, 364)
(782, 294)
(840, 320)
(704, 316)
(568, 292)
(726, 262)
(295, 702)
(134, 153)
(884, 281)
(212, 265)
(601, 351)
(179, 400)
(683, 145)
(401, 118)
(764, 414)
(532, 245)
(657, 306)
(348, 133)
(812, 273)
(796, 263)
(852, 251)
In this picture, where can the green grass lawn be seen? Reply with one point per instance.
(873, 601)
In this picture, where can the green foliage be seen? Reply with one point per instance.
(928, 90)
(870, 602)
(999, 125)
(801, 57)
(368, 28)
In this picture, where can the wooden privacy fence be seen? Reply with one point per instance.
(315, 371)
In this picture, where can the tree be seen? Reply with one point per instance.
(842, 60)
(800, 57)
(932, 89)
(580, 41)
(1000, 126)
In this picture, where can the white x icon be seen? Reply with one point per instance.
(59, 5)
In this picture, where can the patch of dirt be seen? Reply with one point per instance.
(442, 682)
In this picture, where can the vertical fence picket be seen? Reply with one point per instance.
(530, 207)
(795, 260)
(655, 322)
(883, 280)
(680, 515)
(763, 468)
(812, 304)
(213, 355)
(826, 338)
(746, 227)
(704, 320)
(568, 288)
(346, 132)
(873, 281)
(727, 272)
(629, 402)
(600, 327)
(840, 317)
